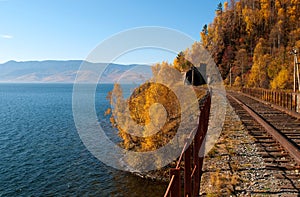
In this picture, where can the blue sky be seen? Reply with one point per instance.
(69, 29)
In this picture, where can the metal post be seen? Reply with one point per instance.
(196, 185)
(294, 75)
(298, 77)
(296, 70)
(176, 186)
(187, 172)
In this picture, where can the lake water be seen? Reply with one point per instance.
(41, 153)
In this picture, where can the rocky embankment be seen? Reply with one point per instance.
(234, 168)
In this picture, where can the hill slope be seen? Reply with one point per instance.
(52, 71)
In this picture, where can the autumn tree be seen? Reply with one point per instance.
(241, 25)
(181, 63)
(258, 77)
(281, 81)
(150, 117)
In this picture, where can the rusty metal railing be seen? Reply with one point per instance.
(192, 167)
(287, 100)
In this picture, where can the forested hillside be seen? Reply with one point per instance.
(254, 38)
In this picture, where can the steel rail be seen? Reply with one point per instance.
(293, 151)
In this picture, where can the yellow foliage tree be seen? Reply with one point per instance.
(237, 82)
(258, 75)
(181, 64)
(281, 80)
(151, 116)
(265, 9)
(152, 106)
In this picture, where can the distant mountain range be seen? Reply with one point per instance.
(52, 71)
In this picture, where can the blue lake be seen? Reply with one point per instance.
(41, 153)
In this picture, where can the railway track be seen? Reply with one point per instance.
(277, 136)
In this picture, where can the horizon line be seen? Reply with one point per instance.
(65, 60)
